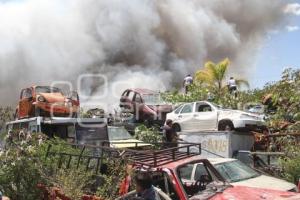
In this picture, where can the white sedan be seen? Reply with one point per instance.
(204, 115)
(237, 174)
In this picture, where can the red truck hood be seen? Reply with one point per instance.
(53, 97)
(247, 193)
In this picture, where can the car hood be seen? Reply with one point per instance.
(267, 182)
(245, 193)
(53, 97)
(130, 143)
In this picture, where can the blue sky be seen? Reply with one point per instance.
(280, 50)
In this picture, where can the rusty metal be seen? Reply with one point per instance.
(149, 158)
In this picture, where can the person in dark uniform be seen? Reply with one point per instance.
(144, 187)
(170, 136)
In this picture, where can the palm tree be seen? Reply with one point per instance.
(214, 75)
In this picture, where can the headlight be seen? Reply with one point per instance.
(41, 99)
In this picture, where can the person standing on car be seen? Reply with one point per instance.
(187, 81)
(232, 86)
(144, 187)
(170, 136)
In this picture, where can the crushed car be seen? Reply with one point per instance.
(204, 115)
(146, 105)
(46, 101)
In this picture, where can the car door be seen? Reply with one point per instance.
(205, 117)
(25, 103)
(185, 117)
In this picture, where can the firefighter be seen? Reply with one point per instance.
(187, 81)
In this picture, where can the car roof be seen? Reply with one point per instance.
(143, 91)
(220, 160)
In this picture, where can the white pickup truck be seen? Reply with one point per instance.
(204, 115)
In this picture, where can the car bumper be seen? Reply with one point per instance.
(58, 109)
(245, 123)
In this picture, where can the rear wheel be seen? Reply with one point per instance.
(176, 127)
(225, 125)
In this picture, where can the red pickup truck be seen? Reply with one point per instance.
(168, 168)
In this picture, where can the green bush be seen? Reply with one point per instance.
(149, 135)
(291, 162)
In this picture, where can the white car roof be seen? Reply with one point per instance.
(220, 160)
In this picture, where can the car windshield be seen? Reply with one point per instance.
(118, 133)
(47, 89)
(152, 99)
(235, 171)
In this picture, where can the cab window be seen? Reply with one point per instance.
(188, 108)
(203, 107)
(200, 170)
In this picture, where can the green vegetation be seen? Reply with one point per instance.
(149, 135)
(24, 165)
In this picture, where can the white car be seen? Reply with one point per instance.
(204, 115)
(237, 174)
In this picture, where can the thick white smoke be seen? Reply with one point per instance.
(148, 43)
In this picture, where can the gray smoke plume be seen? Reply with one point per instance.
(145, 43)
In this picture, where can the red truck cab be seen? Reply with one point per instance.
(168, 169)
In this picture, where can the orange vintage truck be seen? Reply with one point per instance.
(46, 101)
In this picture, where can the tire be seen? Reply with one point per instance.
(225, 125)
(176, 127)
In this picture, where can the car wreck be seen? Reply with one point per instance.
(46, 101)
(146, 105)
(204, 115)
(167, 169)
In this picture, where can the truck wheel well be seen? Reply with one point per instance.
(225, 124)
